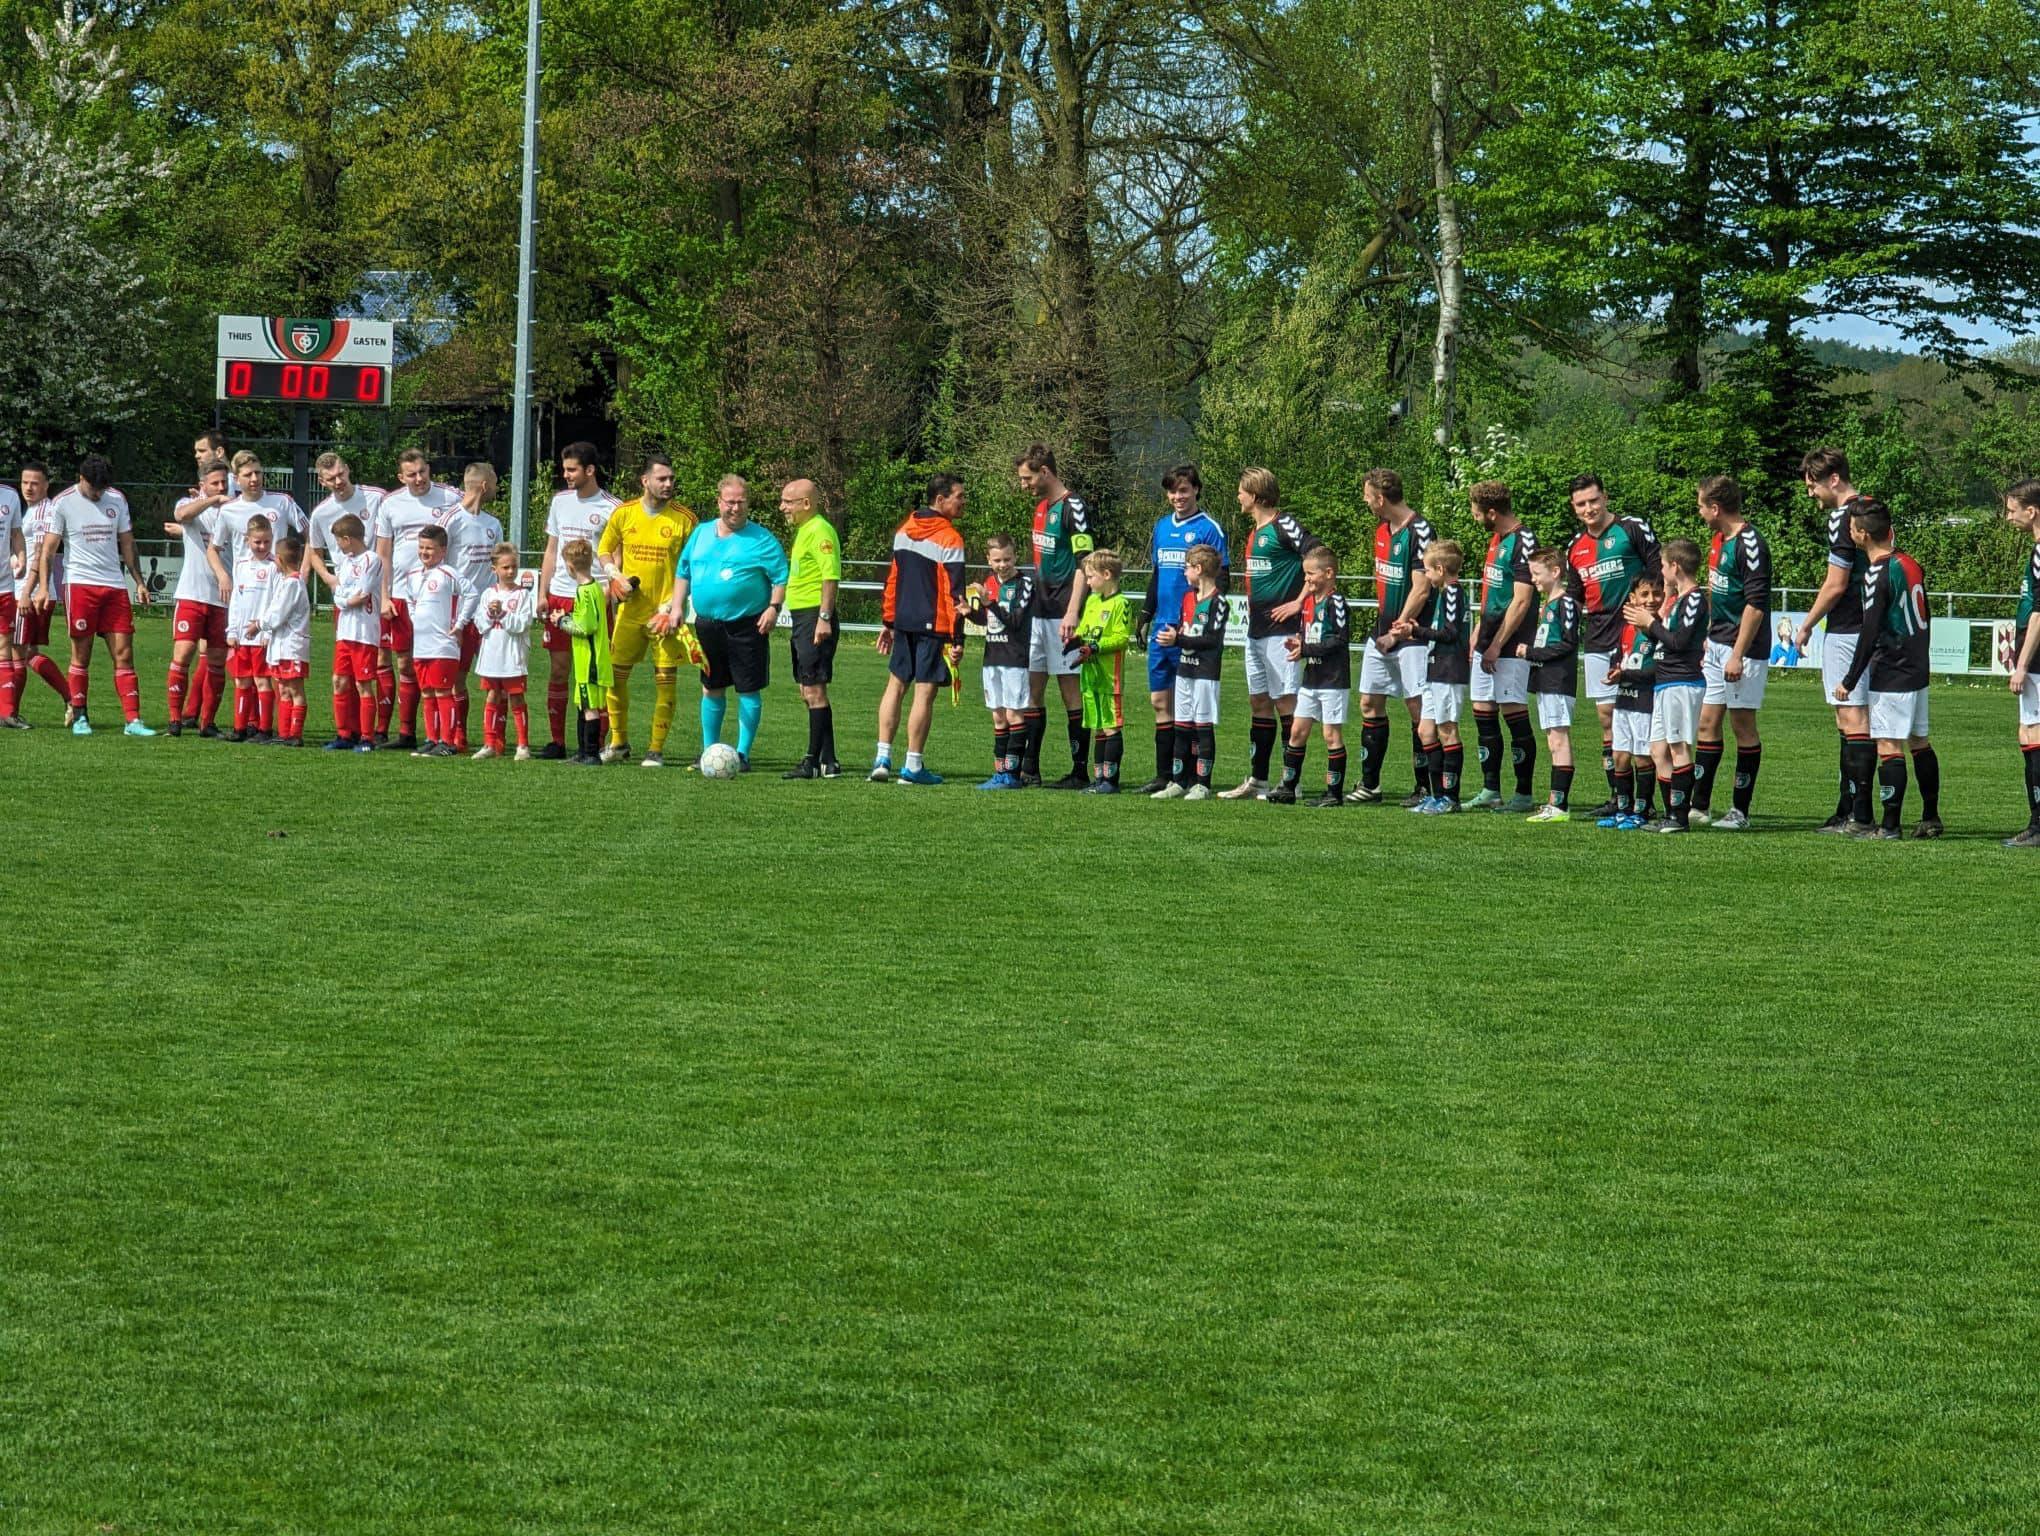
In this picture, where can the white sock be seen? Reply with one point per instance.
(913, 762)
(884, 752)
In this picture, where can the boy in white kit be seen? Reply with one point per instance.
(247, 586)
(503, 618)
(285, 625)
(439, 602)
(357, 635)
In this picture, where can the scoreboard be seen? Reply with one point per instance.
(305, 362)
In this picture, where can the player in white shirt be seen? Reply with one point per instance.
(230, 522)
(32, 623)
(344, 498)
(581, 511)
(90, 524)
(415, 505)
(201, 614)
(441, 604)
(248, 588)
(15, 548)
(285, 625)
(471, 538)
(357, 636)
(503, 618)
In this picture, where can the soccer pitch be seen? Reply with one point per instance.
(475, 1148)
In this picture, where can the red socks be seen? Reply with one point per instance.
(10, 688)
(462, 702)
(492, 723)
(174, 690)
(265, 708)
(343, 711)
(212, 687)
(129, 688)
(407, 705)
(81, 682)
(556, 708)
(46, 669)
(522, 716)
(385, 699)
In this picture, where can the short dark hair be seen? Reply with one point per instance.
(290, 544)
(1684, 554)
(214, 439)
(348, 526)
(1584, 483)
(1820, 463)
(1386, 481)
(1722, 491)
(1490, 495)
(435, 534)
(1037, 456)
(37, 466)
(586, 455)
(654, 460)
(2025, 492)
(1547, 554)
(940, 485)
(1002, 541)
(1874, 515)
(96, 470)
(415, 456)
(1182, 475)
(209, 467)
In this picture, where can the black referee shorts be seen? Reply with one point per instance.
(814, 661)
(738, 656)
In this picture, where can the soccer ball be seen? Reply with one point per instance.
(720, 761)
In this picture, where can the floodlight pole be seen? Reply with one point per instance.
(527, 233)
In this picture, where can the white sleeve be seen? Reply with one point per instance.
(517, 612)
(469, 597)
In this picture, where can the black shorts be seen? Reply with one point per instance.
(738, 656)
(814, 661)
(918, 659)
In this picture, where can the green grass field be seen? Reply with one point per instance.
(516, 1148)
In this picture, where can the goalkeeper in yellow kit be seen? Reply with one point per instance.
(642, 545)
(1099, 645)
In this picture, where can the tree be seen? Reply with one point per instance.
(78, 314)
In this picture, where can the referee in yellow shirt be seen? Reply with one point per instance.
(817, 571)
(642, 545)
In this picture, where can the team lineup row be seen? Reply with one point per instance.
(1669, 639)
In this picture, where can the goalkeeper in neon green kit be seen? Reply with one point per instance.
(1103, 630)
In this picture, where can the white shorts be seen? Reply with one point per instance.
(1675, 713)
(1747, 694)
(1326, 704)
(1196, 700)
(1005, 687)
(1509, 683)
(1594, 669)
(2029, 700)
(1443, 702)
(1554, 711)
(1895, 716)
(1630, 733)
(1837, 654)
(1270, 669)
(1398, 675)
(1045, 651)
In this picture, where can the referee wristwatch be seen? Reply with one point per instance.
(823, 616)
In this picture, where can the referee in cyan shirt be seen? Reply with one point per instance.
(735, 572)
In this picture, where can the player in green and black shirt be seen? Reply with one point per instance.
(1275, 551)
(1325, 647)
(1894, 655)
(1635, 677)
(1443, 629)
(2022, 511)
(1390, 668)
(1607, 556)
(1840, 602)
(1738, 654)
(1199, 635)
(1063, 535)
(1553, 654)
(1501, 681)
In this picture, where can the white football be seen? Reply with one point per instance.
(720, 761)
